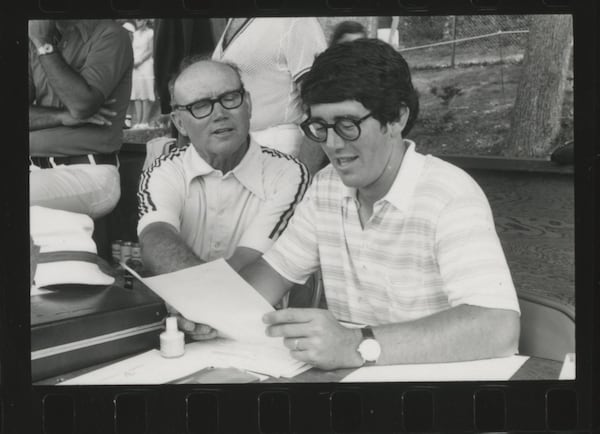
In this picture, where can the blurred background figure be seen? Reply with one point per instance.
(142, 91)
(130, 27)
(347, 31)
(273, 54)
(79, 87)
(175, 39)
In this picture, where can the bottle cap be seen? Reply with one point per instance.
(171, 324)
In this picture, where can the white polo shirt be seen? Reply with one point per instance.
(272, 53)
(249, 206)
(430, 245)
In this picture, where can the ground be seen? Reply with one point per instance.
(477, 120)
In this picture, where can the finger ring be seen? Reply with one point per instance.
(296, 344)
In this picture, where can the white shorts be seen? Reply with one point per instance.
(82, 188)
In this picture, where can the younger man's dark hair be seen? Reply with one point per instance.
(369, 71)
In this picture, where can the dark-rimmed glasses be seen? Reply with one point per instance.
(204, 107)
(346, 128)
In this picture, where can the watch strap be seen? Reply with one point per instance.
(367, 333)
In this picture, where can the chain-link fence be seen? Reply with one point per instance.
(443, 41)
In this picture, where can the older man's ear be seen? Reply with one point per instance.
(178, 124)
(248, 100)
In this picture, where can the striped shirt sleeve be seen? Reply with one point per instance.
(470, 257)
(295, 255)
(161, 192)
(286, 180)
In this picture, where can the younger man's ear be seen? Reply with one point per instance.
(396, 127)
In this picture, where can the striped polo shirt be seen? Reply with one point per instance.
(216, 212)
(430, 245)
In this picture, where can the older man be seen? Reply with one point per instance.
(406, 242)
(79, 87)
(223, 195)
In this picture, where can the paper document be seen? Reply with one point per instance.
(567, 371)
(214, 294)
(499, 369)
(151, 368)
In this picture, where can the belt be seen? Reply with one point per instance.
(50, 162)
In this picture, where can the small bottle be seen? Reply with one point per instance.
(116, 253)
(126, 250)
(135, 260)
(172, 341)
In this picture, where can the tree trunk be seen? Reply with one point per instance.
(538, 107)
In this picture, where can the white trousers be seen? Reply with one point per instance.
(285, 138)
(82, 188)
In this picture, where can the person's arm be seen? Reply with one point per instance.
(267, 282)
(460, 333)
(41, 117)
(164, 251)
(80, 98)
(242, 257)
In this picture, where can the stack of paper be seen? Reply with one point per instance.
(151, 368)
(500, 369)
(212, 294)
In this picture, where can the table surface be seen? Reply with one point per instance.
(534, 368)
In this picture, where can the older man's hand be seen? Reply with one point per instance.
(314, 336)
(42, 31)
(197, 332)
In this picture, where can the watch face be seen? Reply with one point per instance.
(46, 49)
(369, 349)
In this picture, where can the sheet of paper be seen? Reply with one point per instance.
(214, 294)
(500, 369)
(151, 368)
(567, 371)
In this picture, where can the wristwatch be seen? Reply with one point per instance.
(369, 349)
(46, 48)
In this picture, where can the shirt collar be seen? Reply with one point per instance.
(248, 172)
(403, 187)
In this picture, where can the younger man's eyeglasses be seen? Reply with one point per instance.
(204, 107)
(346, 128)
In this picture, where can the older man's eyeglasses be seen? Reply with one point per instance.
(346, 128)
(204, 107)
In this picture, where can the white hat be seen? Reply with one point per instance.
(68, 253)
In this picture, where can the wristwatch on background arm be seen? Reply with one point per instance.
(369, 349)
(46, 48)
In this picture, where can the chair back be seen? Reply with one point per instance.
(547, 328)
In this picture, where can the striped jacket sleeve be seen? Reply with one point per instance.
(286, 180)
(161, 191)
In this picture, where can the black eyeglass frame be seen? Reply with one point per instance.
(213, 101)
(305, 127)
